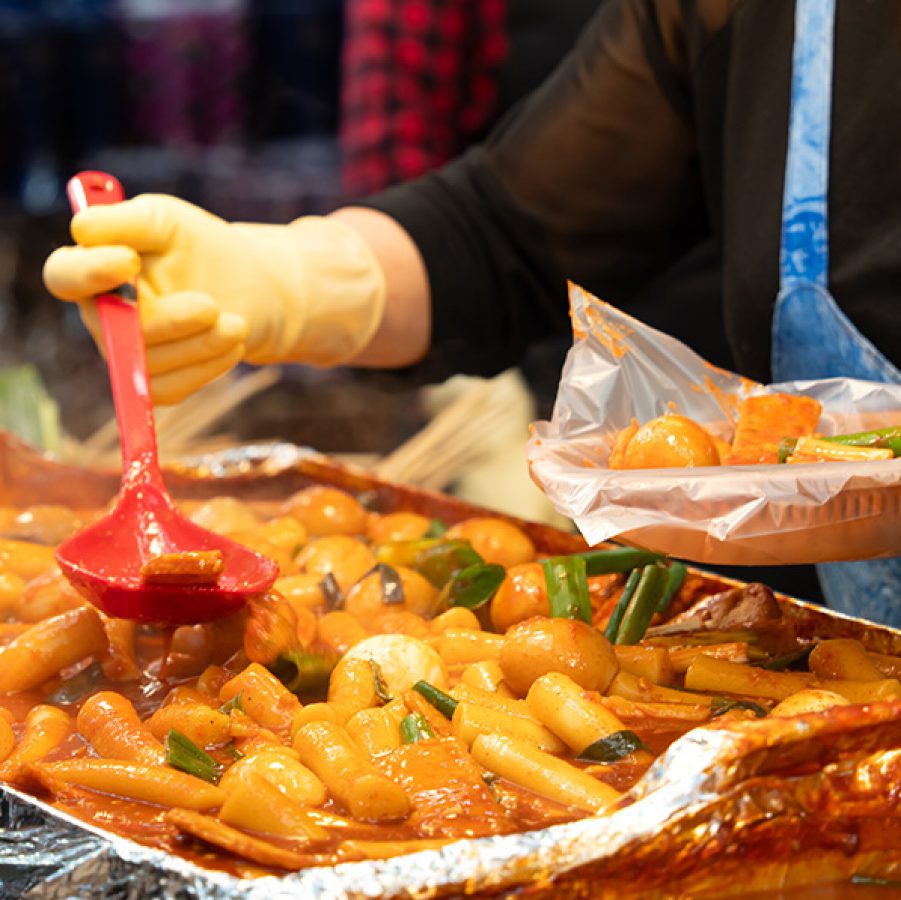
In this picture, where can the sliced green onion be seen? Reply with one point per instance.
(439, 561)
(232, 751)
(567, 587)
(381, 689)
(302, 672)
(474, 586)
(183, 754)
(236, 702)
(720, 705)
(436, 529)
(613, 747)
(334, 596)
(886, 438)
(786, 448)
(675, 576)
(789, 660)
(819, 449)
(444, 703)
(616, 617)
(643, 604)
(880, 437)
(616, 559)
(414, 728)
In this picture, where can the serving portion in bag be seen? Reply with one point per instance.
(620, 370)
(405, 685)
(771, 428)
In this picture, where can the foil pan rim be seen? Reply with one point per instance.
(269, 458)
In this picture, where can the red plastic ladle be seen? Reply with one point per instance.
(104, 561)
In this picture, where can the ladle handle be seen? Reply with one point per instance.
(124, 344)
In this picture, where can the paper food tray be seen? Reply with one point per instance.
(619, 369)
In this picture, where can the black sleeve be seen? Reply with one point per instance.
(594, 178)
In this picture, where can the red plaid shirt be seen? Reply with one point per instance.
(419, 84)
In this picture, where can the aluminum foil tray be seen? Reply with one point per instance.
(717, 815)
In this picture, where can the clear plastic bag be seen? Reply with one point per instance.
(619, 369)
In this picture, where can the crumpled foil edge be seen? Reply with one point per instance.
(47, 853)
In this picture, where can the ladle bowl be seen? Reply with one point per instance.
(104, 562)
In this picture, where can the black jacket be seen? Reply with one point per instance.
(665, 126)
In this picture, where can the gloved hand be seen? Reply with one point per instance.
(212, 293)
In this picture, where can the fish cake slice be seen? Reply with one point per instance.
(762, 423)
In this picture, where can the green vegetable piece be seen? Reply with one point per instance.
(436, 559)
(403, 553)
(886, 438)
(720, 705)
(436, 529)
(236, 702)
(643, 605)
(27, 410)
(474, 586)
(675, 576)
(791, 660)
(616, 559)
(786, 448)
(612, 748)
(444, 703)
(881, 437)
(232, 751)
(414, 728)
(441, 560)
(183, 754)
(381, 689)
(302, 672)
(616, 617)
(567, 587)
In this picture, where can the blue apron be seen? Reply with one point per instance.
(812, 338)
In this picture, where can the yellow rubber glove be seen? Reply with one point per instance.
(212, 293)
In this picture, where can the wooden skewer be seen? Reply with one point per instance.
(183, 428)
(180, 432)
(454, 439)
(433, 458)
